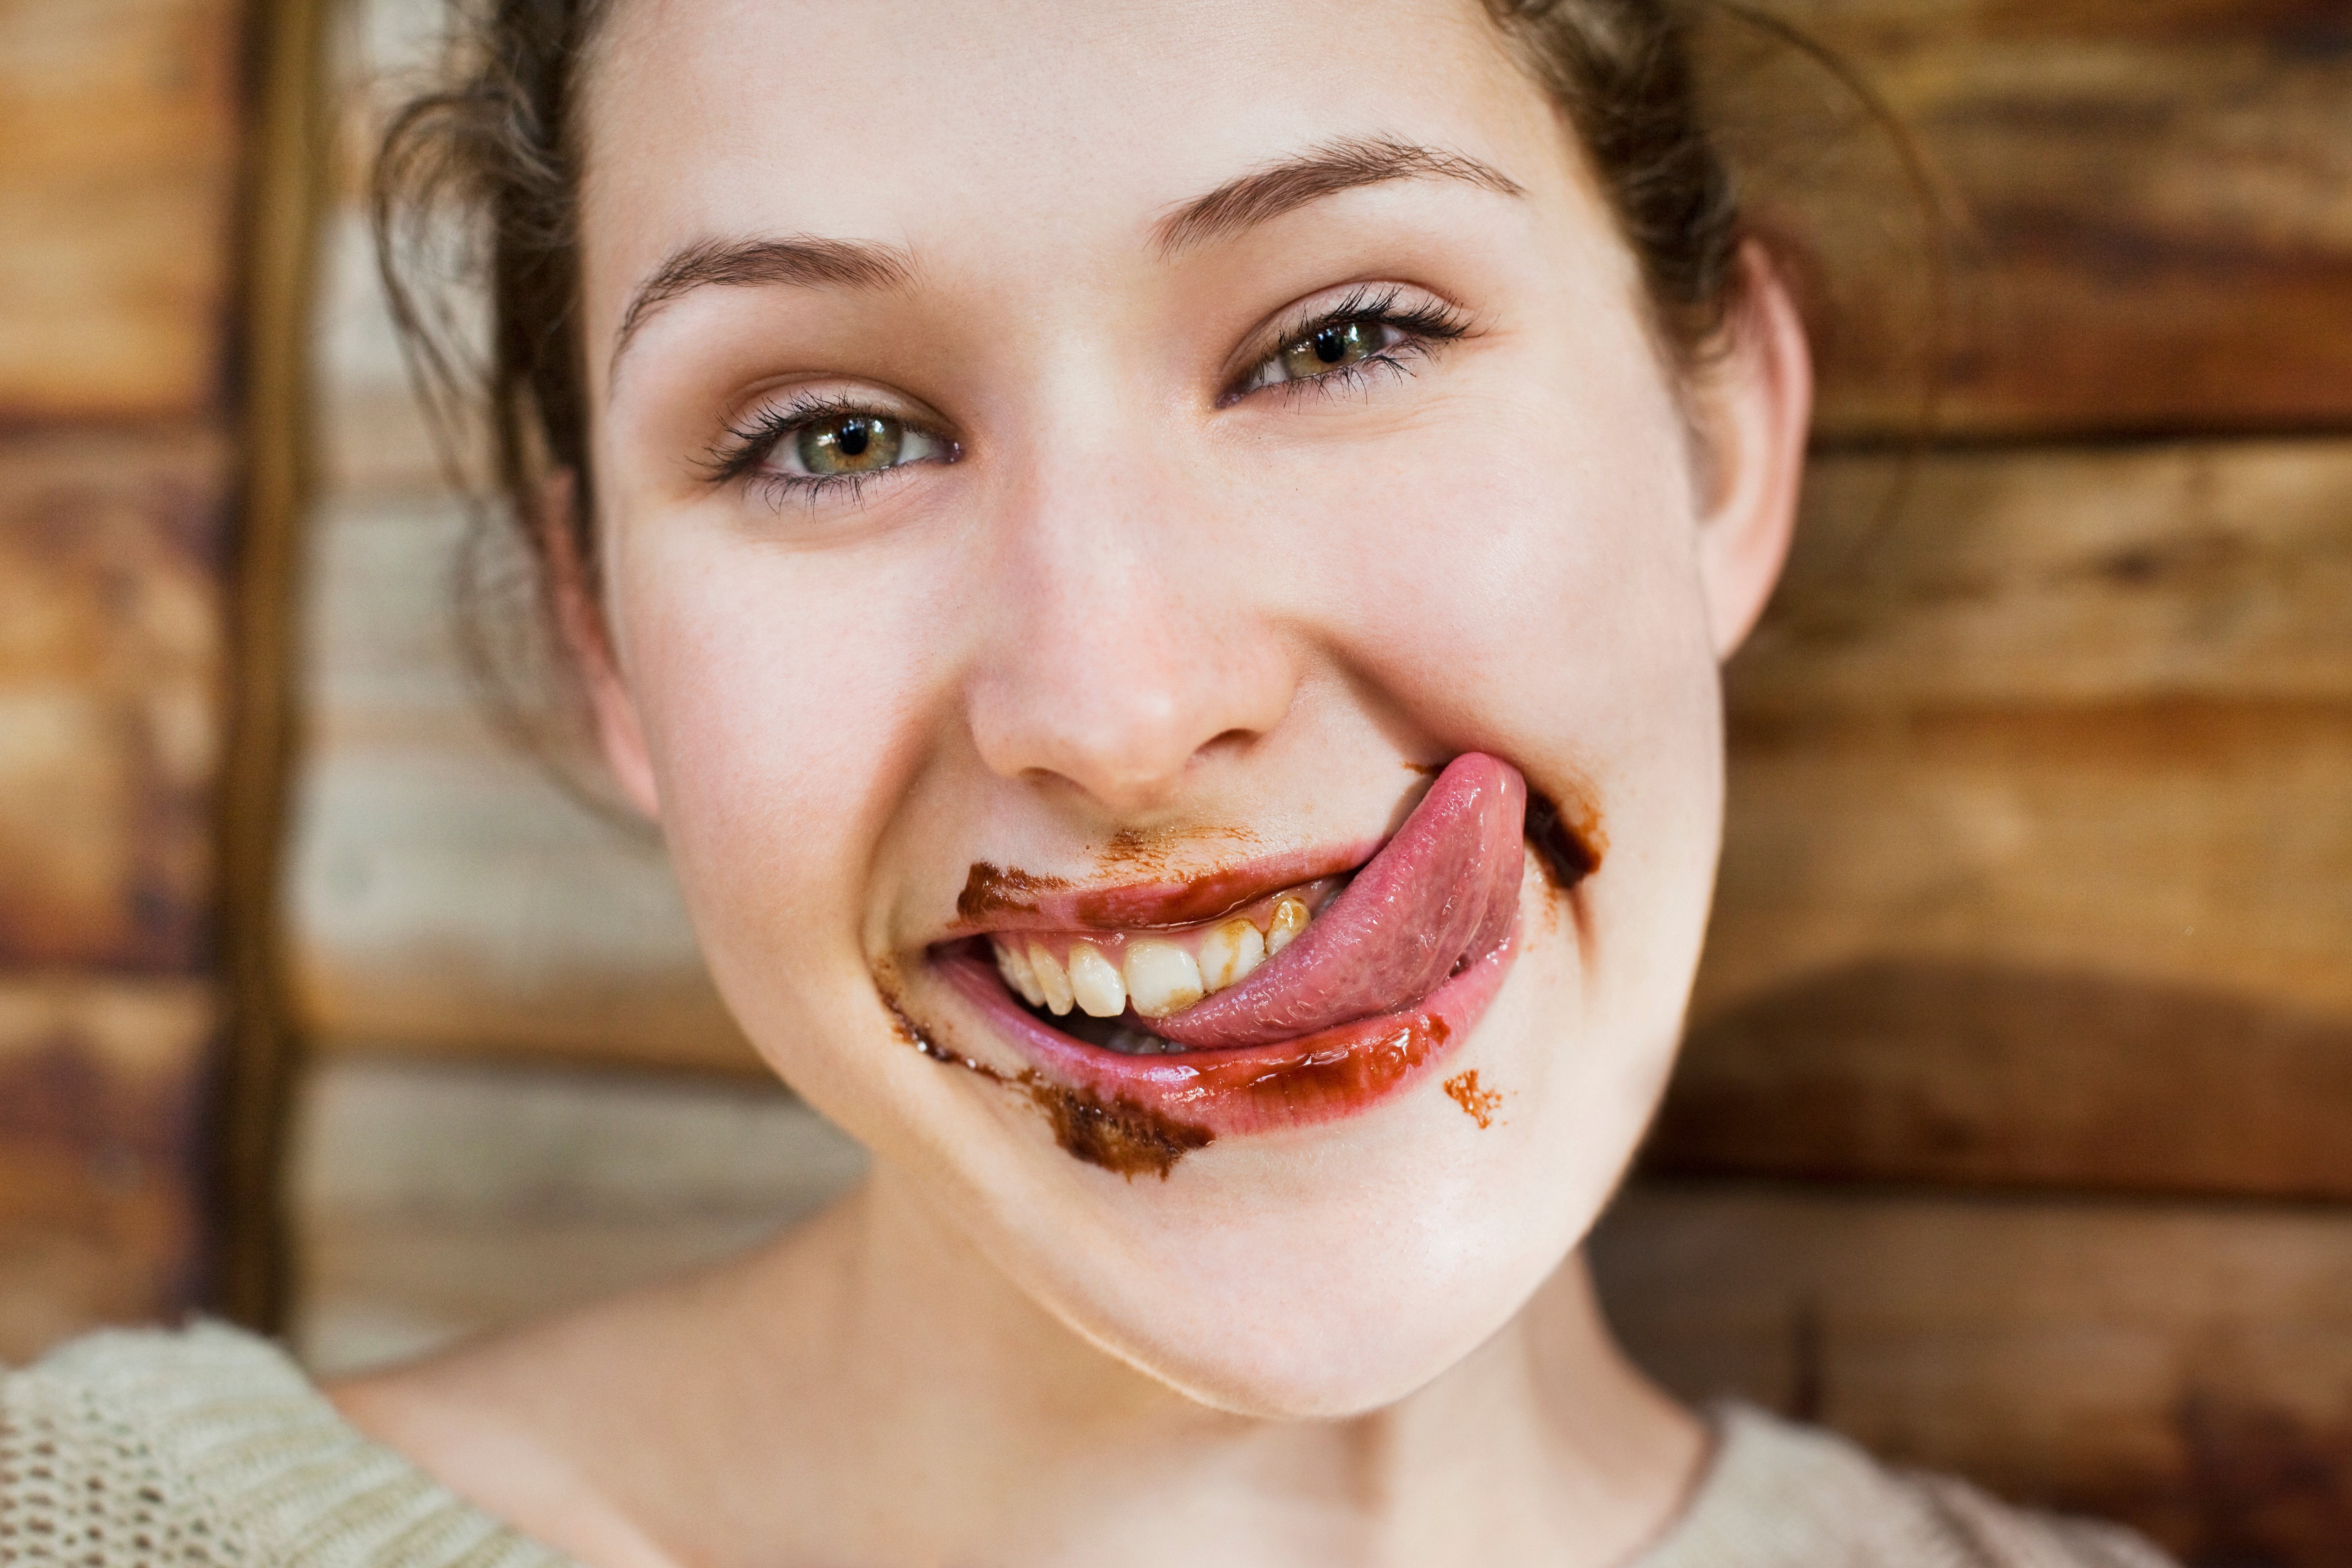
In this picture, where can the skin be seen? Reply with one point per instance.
(1228, 627)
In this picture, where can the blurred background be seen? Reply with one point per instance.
(2014, 1135)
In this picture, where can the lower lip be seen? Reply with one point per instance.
(1304, 1083)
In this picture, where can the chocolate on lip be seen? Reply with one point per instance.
(1442, 893)
(1413, 962)
(997, 897)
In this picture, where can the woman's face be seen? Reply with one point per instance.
(1069, 477)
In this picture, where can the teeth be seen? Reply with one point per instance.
(1100, 992)
(1227, 955)
(1019, 974)
(1163, 977)
(1047, 971)
(1290, 918)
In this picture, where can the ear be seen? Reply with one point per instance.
(1757, 408)
(587, 634)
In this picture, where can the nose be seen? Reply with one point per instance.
(1132, 636)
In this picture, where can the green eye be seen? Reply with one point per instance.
(1332, 347)
(850, 444)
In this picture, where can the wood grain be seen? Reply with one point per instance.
(2104, 949)
(118, 169)
(2186, 1369)
(112, 631)
(2037, 865)
(2182, 844)
(103, 1157)
(2063, 577)
(2154, 201)
(445, 897)
(1976, 1074)
(442, 1199)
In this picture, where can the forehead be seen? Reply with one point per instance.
(1039, 124)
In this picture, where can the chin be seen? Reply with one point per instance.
(1331, 1270)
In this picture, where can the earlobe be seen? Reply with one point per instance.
(1762, 399)
(587, 636)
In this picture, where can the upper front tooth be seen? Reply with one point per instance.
(1018, 973)
(1163, 977)
(1055, 985)
(1096, 984)
(1290, 918)
(1227, 955)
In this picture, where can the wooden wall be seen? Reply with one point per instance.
(120, 125)
(2015, 1131)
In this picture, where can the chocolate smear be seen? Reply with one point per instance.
(1117, 1135)
(990, 890)
(1570, 847)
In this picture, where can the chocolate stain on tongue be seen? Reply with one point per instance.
(1117, 1135)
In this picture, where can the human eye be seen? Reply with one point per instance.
(806, 449)
(1367, 331)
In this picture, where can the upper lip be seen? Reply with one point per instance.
(1022, 900)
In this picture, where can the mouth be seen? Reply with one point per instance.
(1286, 995)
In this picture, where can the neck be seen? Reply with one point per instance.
(930, 1375)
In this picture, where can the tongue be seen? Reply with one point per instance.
(1442, 893)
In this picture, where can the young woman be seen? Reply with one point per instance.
(1161, 568)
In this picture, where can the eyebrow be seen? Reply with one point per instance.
(1256, 197)
(806, 261)
(1266, 193)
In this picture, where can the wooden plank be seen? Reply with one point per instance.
(2109, 948)
(2158, 206)
(443, 895)
(373, 441)
(435, 1200)
(2037, 866)
(110, 646)
(2062, 577)
(118, 166)
(448, 899)
(2193, 845)
(1982, 1074)
(2187, 1370)
(102, 1155)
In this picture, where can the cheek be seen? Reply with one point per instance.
(1524, 578)
(782, 698)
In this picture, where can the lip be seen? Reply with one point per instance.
(996, 898)
(1378, 991)
(1189, 1099)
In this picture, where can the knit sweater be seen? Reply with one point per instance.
(208, 1449)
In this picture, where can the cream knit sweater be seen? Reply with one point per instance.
(209, 1447)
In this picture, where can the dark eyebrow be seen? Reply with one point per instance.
(1319, 172)
(807, 262)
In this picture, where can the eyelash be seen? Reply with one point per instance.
(753, 440)
(749, 443)
(1421, 329)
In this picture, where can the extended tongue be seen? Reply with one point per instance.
(1443, 890)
